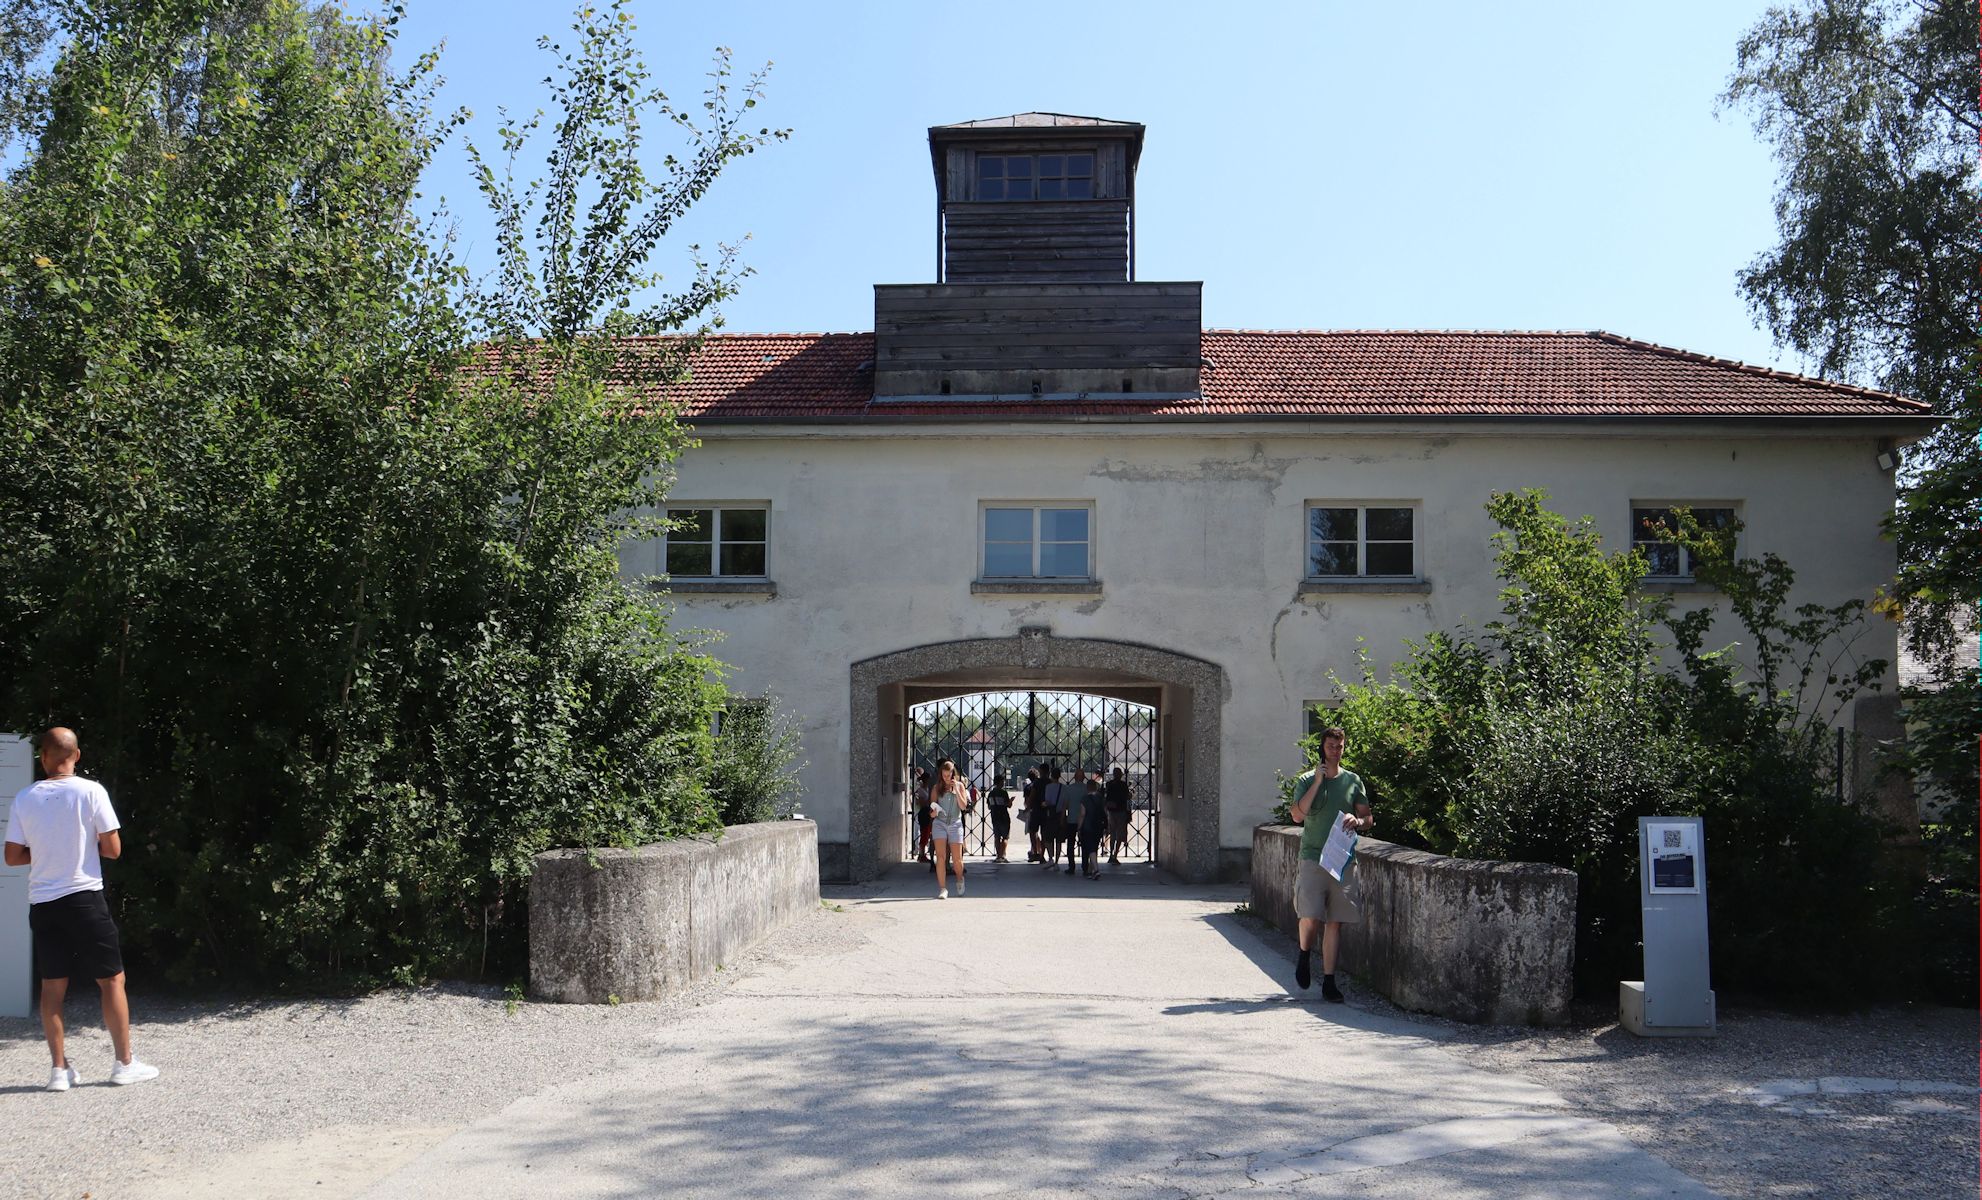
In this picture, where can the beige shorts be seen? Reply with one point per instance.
(1319, 896)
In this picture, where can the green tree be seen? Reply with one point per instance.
(330, 594)
(1871, 108)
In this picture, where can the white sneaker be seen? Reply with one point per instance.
(959, 885)
(132, 1072)
(943, 895)
(61, 1079)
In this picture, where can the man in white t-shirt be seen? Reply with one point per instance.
(62, 827)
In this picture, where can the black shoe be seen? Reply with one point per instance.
(1303, 975)
(1070, 868)
(1329, 991)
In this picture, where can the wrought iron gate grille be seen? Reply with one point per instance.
(1007, 733)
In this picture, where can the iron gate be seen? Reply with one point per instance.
(1008, 733)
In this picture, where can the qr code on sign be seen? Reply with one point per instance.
(1671, 839)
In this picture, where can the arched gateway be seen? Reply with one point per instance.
(1188, 693)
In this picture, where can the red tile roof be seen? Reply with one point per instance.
(1251, 374)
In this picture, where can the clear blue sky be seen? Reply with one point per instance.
(1317, 165)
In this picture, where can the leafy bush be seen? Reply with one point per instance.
(1545, 736)
(338, 619)
(755, 773)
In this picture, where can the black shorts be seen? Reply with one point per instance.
(75, 937)
(1001, 822)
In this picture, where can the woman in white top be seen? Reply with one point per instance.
(949, 800)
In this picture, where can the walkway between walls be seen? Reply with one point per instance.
(1039, 1036)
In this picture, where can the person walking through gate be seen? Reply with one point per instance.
(1071, 796)
(948, 801)
(1034, 802)
(1049, 817)
(1330, 796)
(1001, 815)
(1093, 823)
(62, 828)
(921, 794)
(1117, 804)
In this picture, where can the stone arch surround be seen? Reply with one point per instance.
(1198, 689)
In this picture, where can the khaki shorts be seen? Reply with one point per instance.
(1318, 896)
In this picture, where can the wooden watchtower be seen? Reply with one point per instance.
(1036, 295)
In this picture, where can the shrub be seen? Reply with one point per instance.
(754, 776)
(1545, 736)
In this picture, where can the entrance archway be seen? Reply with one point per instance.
(1188, 693)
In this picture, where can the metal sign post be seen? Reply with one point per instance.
(1675, 999)
(16, 944)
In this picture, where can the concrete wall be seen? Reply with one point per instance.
(1199, 547)
(1475, 941)
(638, 924)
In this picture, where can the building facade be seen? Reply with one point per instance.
(1040, 473)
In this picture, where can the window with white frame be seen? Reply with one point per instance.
(1362, 541)
(1037, 541)
(1668, 560)
(724, 541)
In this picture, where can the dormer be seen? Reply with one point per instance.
(1036, 198)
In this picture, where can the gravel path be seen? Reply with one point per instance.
(346, 1090)
(340, 1093)
(1881, 1104)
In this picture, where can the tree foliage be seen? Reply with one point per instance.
(1871, 107)
(338, 617)
(1544, 737)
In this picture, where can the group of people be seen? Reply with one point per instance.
(1059, 815)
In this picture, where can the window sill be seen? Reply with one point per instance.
(716, 587)
(1324, 587)
(1678, 586)
(1035, 587)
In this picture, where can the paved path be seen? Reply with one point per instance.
(1039, 1037)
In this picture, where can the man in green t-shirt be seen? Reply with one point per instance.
(1329, 796)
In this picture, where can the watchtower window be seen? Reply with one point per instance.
(1035, 177)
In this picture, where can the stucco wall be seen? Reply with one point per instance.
(638, 924)
(1198, 542)
(1474, 941)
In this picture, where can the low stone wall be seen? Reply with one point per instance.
(1475, 941)
(638, 924)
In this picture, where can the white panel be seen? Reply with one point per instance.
(16, 950)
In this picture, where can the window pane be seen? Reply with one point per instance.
(1080, 189)
(1389, 558)
(1332, 558)
(991, 189)
(690, 560)
(1714, 518)
(1049, 164)
(1062, 524)
(1331, 524)
(691, 524)
(1080, 164)
(1006, 559)
(1008, 525)
(1389, 524)
(1663, 556)
(1018, 189)
(990, 168)
(1063, 559)
(1645, 522)
(1049, 189)
(1019, 166)
(743, 524)
(745, 558)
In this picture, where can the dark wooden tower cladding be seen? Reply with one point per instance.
(1037, 293)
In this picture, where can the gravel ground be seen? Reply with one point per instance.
(1844, 1107)
(1746, 1114)
(340, 1092)
(346, 1089)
